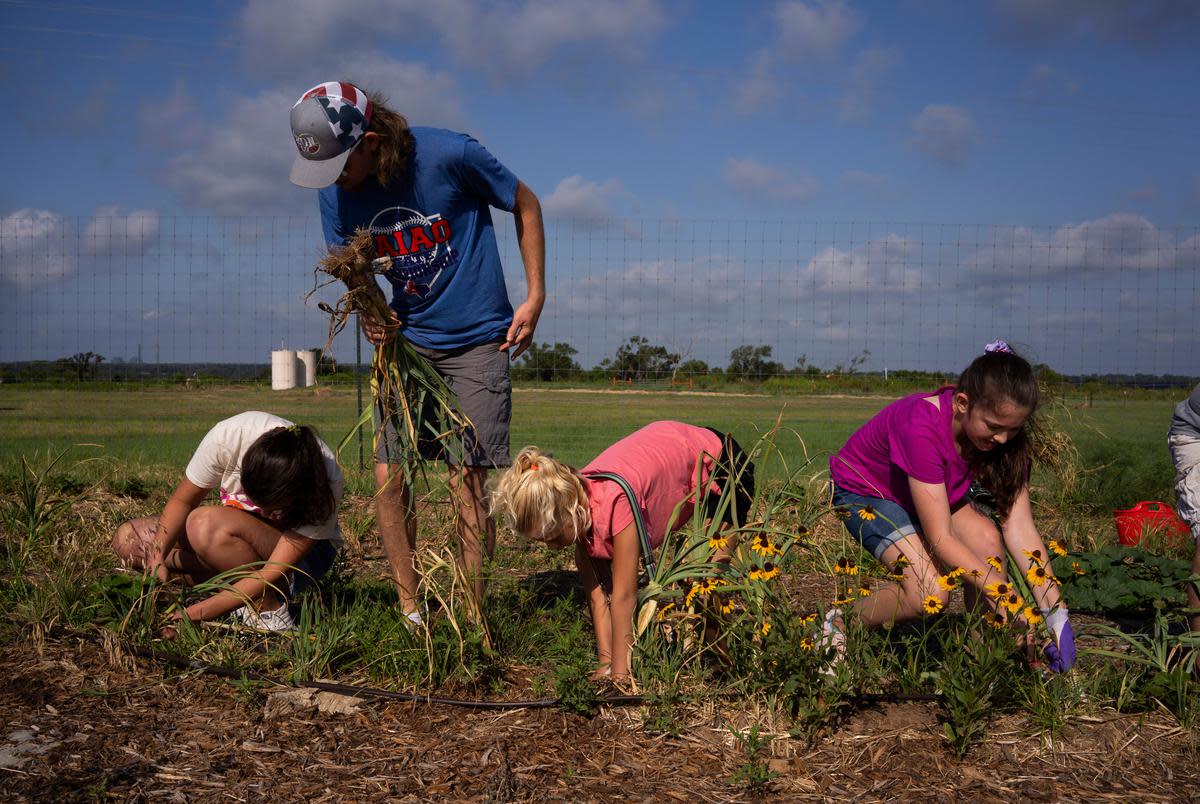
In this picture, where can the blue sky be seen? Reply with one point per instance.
(908, 178)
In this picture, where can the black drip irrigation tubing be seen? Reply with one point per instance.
(362, 691)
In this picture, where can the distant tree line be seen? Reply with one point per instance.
(639, 360)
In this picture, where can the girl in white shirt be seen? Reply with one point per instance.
(279, 491)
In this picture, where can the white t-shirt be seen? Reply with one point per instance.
(218, 464)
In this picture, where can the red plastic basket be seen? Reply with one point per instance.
(1134, 524)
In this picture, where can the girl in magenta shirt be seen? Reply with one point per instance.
(668, 465)
(901, 484)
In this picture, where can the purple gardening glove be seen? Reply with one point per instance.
(1061, 657)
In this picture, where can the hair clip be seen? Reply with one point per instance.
(998, 346)
(532, 466)
(294, 429)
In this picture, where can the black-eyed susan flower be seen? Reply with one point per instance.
(956, 572)
(864, 591)
(1032, 615)
(994, 563)
(994, 619)
(696, 590)
(1013, 603)
(948, 582)
(998, 590)
(809, 619)
(718, 542)
(897, 576)
(765, 628)
(1034, 555)
(903, 562)
(867, 513)
(841, 513)
(666, 609)
(1055, 547)
(932, 604)
(769, 571)
(728, 606)
(807, 643)
(1078, 570)
(846, 566)
(803, 532)
(1037, 575)
(843, 601)
(763, 545)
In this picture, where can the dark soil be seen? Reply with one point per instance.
(81, 726)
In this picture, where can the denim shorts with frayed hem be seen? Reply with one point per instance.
(876, 523)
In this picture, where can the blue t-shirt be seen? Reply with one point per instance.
(447, 282)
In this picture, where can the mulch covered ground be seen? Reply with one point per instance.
(76, 725)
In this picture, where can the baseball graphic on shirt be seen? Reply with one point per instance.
(419, 246)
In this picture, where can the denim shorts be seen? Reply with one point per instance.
(311, 567)
(876, 523)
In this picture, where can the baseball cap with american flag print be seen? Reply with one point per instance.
(328, 122)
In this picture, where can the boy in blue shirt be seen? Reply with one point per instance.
(424, 194)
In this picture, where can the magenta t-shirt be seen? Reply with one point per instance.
(659, 462)
(908, 438)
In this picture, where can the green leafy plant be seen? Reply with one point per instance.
(975, 667)
(1121, 580)
(30, 518)
(575, 692)
(754, 774)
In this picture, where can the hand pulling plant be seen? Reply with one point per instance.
(408, 392)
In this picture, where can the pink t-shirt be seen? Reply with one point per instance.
(659, 462)
(908, 438)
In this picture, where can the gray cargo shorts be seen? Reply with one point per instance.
(478, 376)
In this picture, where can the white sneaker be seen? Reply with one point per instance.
(832, 636)
(278, 621)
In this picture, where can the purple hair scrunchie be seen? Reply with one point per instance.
(998, 346)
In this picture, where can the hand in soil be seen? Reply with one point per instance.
(170, 630)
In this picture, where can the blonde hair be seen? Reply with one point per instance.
(538, 493)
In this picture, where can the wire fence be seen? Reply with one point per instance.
(142, 298)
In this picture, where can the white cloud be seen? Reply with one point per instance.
(944, 132)
(1116, 244)
(511, 40)
(241, 163)
(767, 182)
(34, 248)
(1147, 24)
(814, 31)
(584, 202)
(759, 89)
(112, 233)
(870, 69)
(890, 265)
(39, 247)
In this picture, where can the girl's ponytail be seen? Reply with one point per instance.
(284, 470)
(998, 376)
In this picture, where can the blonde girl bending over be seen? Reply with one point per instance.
(665, 464)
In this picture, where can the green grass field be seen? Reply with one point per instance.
(1121, 443)
(57, 571)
